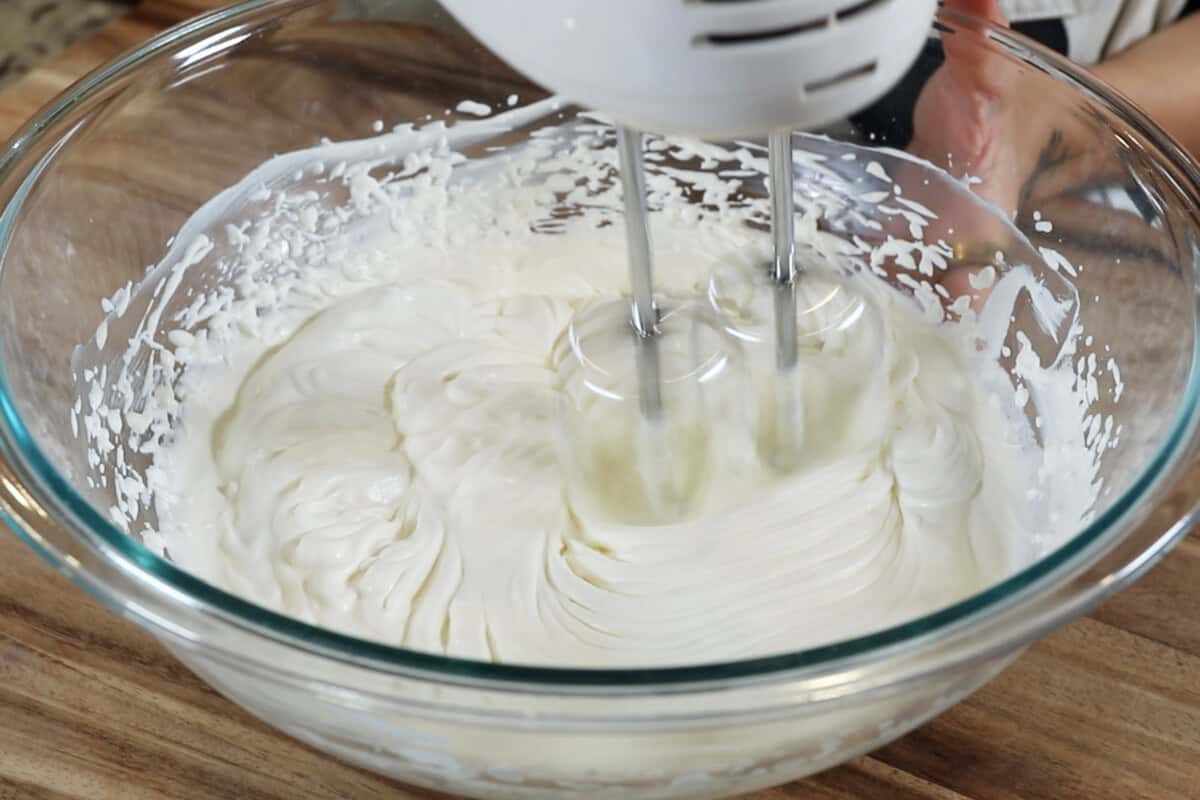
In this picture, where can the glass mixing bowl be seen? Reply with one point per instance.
(93, 189)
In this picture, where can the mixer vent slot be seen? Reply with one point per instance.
(859, 8)
(840, 78)
(807, 26)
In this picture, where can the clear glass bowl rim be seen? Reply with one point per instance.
(55, 493)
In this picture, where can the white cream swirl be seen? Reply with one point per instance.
(391, 465)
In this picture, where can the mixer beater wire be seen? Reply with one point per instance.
(644, 312)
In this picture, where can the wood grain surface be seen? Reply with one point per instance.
(91, 707)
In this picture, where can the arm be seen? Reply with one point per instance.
(1161, 74)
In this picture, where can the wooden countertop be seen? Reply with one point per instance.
(91, 707)
(34, 31)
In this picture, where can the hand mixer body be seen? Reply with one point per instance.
(708, 68)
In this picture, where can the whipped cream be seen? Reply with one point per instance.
(354, 414)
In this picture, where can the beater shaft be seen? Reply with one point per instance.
(783, 236)
(789, 420)
(641, 275)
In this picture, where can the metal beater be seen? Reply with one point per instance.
(715, 69)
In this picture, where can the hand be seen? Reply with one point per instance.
(969, 120)
(966, 116)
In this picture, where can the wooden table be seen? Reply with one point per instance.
(91, 707)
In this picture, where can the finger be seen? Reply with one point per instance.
(969, 54)
(984, 9)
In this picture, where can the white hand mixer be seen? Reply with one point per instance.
(709, 69)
